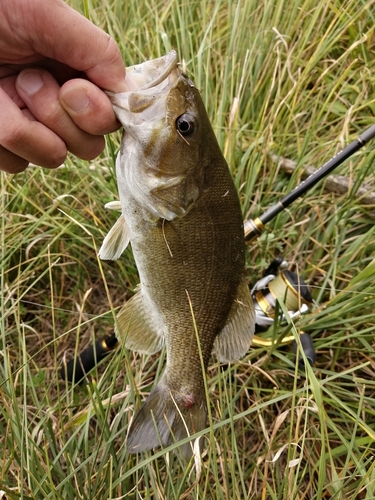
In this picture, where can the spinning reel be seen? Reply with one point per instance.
(277, 284)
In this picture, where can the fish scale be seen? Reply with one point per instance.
(182, 215)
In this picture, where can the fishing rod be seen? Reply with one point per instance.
(276, 281)
(253, 228)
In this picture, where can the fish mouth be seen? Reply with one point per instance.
(149, 83)
(151, 73)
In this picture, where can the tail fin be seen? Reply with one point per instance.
(166, 417)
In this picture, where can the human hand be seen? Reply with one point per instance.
(53, 65)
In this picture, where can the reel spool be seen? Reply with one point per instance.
(280, 284)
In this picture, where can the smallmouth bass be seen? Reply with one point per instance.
(181, 213)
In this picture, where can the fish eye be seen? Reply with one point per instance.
(185, 125)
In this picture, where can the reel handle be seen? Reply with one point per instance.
(308, 348)
(76, 369)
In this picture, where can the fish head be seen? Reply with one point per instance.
(167, 135)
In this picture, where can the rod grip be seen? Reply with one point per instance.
(76, 369)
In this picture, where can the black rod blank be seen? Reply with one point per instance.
(253, 228)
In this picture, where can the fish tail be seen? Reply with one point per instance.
(167, 416)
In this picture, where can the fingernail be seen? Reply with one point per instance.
(76, 100)
(30, 81)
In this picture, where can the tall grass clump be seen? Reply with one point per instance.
(293, 79)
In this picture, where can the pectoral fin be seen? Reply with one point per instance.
(234, 340)
(113, 205)
(116, 241)
(138, 328)
(175, 196)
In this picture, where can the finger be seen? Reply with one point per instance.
(40, 91)
(27, 139)
(11, 163)
(89, 107)
(81, 45)
(8, 84)
(61, 72)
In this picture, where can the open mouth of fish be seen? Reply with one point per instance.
(148, 83)
(151, 73)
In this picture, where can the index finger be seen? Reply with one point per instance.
(57, 31)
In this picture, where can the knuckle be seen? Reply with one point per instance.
(13, 135)
(53, 117)
(112, 52)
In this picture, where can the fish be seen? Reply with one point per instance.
(181, 213)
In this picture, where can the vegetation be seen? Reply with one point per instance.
(296, 79)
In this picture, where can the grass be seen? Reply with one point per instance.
(291, 78)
